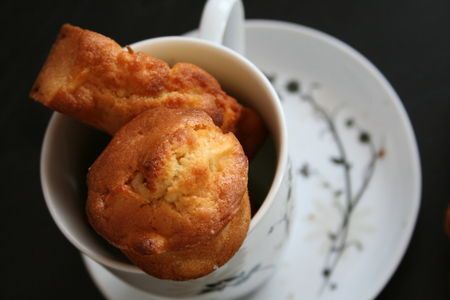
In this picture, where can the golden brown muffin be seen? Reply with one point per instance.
(92, 78)
(170, 191)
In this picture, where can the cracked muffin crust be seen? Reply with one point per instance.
(170, 191)
(92, 78)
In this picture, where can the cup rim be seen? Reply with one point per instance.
(281, 149)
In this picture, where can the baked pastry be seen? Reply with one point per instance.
(93, 79)
(170, 191)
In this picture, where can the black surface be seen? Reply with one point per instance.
(409, 41)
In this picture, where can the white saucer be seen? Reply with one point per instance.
(331, 95)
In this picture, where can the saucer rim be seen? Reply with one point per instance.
(411, 142)
(411, 145)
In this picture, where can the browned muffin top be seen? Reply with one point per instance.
(169, 179)
(92, 78)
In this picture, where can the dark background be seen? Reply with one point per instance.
(409, 41)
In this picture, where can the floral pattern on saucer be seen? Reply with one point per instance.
(334, 220)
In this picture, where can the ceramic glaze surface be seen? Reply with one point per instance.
(354, 162)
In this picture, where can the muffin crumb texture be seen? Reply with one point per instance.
(170, 191)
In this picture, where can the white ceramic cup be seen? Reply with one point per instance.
(70, 147)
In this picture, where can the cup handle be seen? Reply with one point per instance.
(222, 22)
